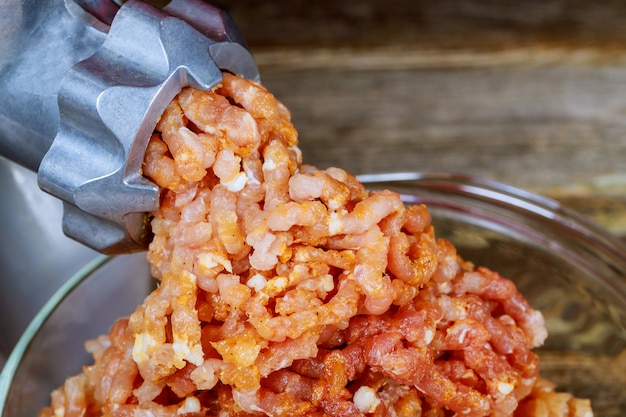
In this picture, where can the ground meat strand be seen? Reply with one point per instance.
(287, 290)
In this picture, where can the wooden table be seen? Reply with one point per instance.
(529, 92)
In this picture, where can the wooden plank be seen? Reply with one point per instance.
(555, 130)
(531, 92)
(546, 126)
(438, 24)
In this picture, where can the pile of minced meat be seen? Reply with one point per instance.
(286, 290)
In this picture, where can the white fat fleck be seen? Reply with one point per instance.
(539, 332)
(144, 345)
(105, 343)
(59, 411)
(211, 260)
(429, 335)
(335, 202)
(321, 283)
(183, 351)
(366, 400)
(444, 287)
(196, 356)
(507, 320)
(263, 297)
(463, 335)
(339, 309)
(236, 183)
(142, 413)
(190, 405)
(277, 284)
(252, 179)
(285, 363)
(269, 165)
(257, 282)
(369, 286)
(328, 282)
(191, 278)
(188, 134)
(335, 224)
(247, 401)
(505, 388)
(358, 270)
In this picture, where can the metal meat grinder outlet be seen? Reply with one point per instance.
(82, 85)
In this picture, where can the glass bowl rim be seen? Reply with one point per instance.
(14, 360)
(581, 230)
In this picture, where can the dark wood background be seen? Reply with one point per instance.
(532, 93)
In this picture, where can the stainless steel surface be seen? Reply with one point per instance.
(41, 40)
(80, 98)
(83, 308)
(35, 257)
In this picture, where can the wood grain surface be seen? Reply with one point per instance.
(529, 92)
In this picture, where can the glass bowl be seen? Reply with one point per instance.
(52, 346)
(566, 266)
(569, 268)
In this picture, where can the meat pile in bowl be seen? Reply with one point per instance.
(286, 290)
